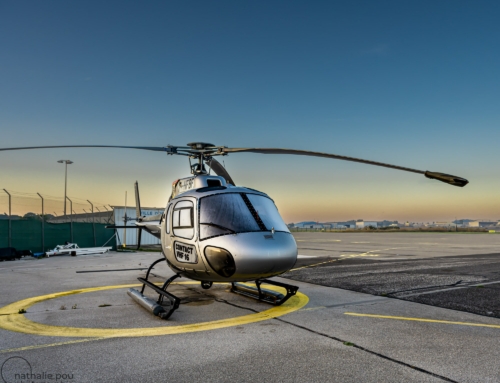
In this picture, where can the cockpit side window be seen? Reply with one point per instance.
(183, 219)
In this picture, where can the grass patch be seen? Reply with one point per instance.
(480, 286)
(348, 344)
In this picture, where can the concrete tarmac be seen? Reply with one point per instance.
(339, 335)
(457, 271)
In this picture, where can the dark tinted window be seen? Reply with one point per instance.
(225, 214)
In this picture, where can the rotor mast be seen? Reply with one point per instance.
(201, 153)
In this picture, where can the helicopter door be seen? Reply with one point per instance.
(184, 246)
(166, 241)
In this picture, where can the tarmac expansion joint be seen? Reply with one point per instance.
(350, 344)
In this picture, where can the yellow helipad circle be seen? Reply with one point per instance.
(11, 320)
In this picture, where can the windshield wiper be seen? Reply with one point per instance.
(218, 226)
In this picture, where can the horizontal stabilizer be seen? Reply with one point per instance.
(151, 218)
(120, 227)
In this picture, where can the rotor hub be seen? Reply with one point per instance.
(200, 145)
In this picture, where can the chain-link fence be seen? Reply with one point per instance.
(28, 205)
(36, 222)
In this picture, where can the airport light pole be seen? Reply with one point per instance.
(66, 162)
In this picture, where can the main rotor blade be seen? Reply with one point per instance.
(446, 178)
(154, 148)
(220, 170)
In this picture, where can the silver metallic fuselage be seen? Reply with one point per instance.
(261, 253)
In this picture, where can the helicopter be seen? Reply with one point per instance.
(215, 231)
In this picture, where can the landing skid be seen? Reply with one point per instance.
(157, 308)
(265, 295)
(165, 311)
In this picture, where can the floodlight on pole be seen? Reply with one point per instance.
(66, 162)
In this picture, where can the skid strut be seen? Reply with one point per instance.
(265, 295)
(156, 307)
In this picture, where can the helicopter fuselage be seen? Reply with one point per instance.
(216, 232)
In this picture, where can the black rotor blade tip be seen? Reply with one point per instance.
(447, 178)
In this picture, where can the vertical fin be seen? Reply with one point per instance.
(137, 201)
(138, 213)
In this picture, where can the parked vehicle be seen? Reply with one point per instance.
(10, 253)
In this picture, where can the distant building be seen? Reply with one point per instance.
(444, 224)
(363, 224)
(305, 225)
(463, 222)
(482, 223)
(317, 226)
(341, 227)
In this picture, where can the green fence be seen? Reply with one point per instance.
(27, 234)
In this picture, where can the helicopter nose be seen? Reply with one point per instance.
(249, 256)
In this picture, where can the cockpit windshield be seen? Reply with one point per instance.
(231, 213)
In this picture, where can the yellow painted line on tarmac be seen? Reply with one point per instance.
(424, 320)
(316, 264)
(37, 346)
(338, 259)
(19, 323)
(346, 256)
(314, 308)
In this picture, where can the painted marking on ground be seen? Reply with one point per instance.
(368, 253)
(19, 323)
(424, 320)
(314, 308)
(316, 264)
(480, 284)
(37, 346)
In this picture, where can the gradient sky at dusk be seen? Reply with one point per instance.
(410, 83)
